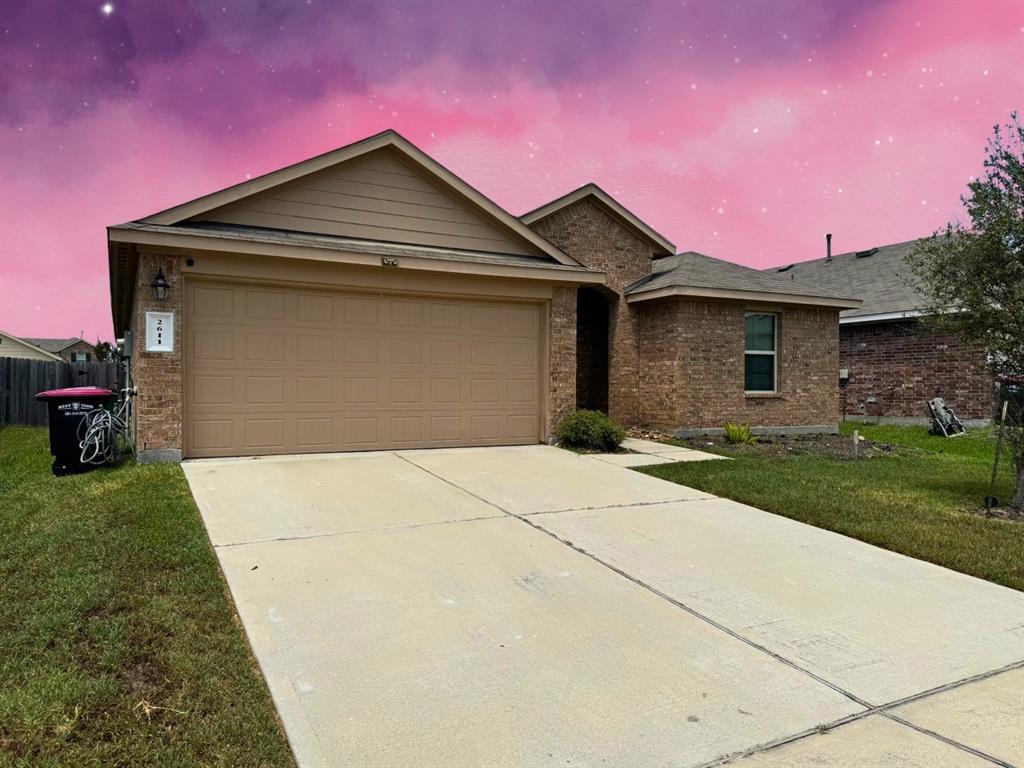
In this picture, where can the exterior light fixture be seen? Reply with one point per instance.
(160, 286)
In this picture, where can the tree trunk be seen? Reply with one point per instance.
(1018, 490)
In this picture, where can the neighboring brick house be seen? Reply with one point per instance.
(370, 299)
(73, 350)
(893, 362)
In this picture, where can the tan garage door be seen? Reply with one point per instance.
(294, 370)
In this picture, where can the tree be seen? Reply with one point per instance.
(103, 351)
(974, 276)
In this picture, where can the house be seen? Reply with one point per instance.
(12, 346)
(893, 362)
(73, 350)
(368, 298)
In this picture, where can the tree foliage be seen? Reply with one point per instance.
(974, 275)
(103, 351)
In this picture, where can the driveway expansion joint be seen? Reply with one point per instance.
(869, 709)
(651, 589)
(947, 740)
(372, 529)
(610, 506)
(882, 711)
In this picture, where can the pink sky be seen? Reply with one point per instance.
(742, 131)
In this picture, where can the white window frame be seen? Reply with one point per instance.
(774, 353)
(75, 355)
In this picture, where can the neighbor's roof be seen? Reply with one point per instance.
(876, 275)
(54, 345)
(696, 275)
(661, 244)
(31, 343)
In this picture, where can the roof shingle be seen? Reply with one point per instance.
(697, 271)
(52, 345)
(877, 276)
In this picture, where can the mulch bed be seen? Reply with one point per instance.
(830, 446)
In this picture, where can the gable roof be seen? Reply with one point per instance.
(55, 345)
(661, 245)
(29, 344)
(387, 139)
(696, 275)
(877, 275)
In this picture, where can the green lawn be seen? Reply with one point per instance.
(915, 502)
(119, 645)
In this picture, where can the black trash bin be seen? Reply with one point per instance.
(66, 411)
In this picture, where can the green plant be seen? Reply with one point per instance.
(739, 433)
(590, 430)
(973, 275)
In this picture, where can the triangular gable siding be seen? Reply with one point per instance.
(375, 197)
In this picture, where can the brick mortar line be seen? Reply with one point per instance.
(869, 710)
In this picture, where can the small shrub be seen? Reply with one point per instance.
(739, 433)
(590, 430)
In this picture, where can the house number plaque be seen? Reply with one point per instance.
(159, 331)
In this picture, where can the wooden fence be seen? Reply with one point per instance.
(20, 380)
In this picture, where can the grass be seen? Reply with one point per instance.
(119, 645)
(921, 501)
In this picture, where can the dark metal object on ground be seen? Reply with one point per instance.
(944, 419)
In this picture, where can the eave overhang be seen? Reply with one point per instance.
(761, 297)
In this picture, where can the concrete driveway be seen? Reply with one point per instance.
(526, 606)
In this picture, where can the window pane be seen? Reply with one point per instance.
(761, 333)
(759, 373)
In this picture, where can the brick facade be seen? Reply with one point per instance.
(677, 365)
(692, 354)
(591, 236)
(902, 365)
(78, 347)
(157, 375)
(562, 356)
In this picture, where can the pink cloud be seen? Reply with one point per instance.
(871, 134)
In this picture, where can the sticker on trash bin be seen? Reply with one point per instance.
(159, 331)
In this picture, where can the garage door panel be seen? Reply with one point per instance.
(296, 370)
(314, 433)
(315, 308)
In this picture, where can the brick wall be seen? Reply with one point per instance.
(157, 375)
(79, 346)
(902, 365)
(590, 235)
(562, 356)
(693, 362)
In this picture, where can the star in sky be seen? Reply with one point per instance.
(107, 9)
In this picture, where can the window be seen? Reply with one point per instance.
(759, 352)
(79, 357)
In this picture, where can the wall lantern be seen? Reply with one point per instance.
(160, 286)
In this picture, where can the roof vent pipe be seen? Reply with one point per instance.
(828, 247)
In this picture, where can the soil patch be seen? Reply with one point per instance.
(1003, 513)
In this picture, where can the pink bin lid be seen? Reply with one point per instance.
(74, 392)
